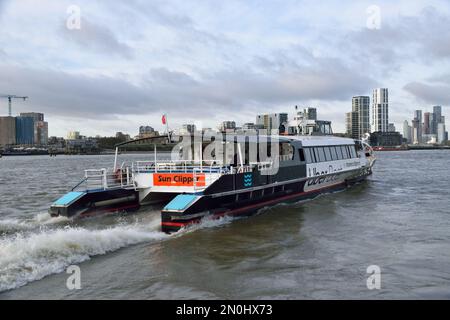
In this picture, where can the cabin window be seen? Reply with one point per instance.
(308, 157)
(334, 154)
(349, 152)
(344, 152)
(328, 154)
(350, 155)
(339, 152)
(301, 154)
(353, 151)
(321, 154)
(314, 156)
(286, 151)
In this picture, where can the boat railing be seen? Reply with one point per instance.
(179, 166)
(106, 179)
(192, 166)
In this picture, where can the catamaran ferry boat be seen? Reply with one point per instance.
(235, 175)
(301, 167)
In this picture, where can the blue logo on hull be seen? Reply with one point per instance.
(248, 180)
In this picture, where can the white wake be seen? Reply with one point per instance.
(28, 258)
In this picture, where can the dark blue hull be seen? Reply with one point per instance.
(244, 203)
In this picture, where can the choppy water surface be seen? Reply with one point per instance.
(399, 220)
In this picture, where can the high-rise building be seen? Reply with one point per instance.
(436, 118)
(7, 131)
(441, 136)
(40, 129)
(407, 132)
(426, 123)
(24, 130)
(352, 124)
(35, 115)
(415, 131)
(187, 129)
(391, 127)
(380, 110)
(273, 121)
(41, 133)
(227, 125)
(249, 126)
(437, 110)
(418, 117)
(358, 123)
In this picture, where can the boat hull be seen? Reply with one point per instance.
(95, 202)
(244, 204)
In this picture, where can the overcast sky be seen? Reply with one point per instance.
(208, 61)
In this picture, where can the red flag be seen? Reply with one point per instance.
(163, 119)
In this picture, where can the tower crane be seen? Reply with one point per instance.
(10, 97)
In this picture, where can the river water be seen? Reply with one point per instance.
(398, 220)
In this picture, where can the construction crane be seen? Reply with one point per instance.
(10, 97)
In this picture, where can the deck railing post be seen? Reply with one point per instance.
(105, 182)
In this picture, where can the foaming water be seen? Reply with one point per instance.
(11, 225)
(207, 222)
(26, 258)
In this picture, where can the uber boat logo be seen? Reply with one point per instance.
(374, 280)
(248, 180)
(74, 281)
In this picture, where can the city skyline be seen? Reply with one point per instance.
(104, 77)
(357, 122)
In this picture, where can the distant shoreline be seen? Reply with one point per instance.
(80, 154)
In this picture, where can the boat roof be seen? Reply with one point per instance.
(305, 140)
(321, 140)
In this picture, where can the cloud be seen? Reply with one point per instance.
(421, 38)
(202, 60)
(437, 94)
(2, 7)
(66, 94)
(61, 93)
(98, 38)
